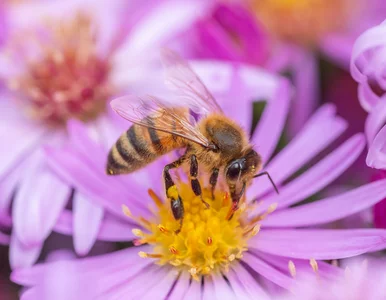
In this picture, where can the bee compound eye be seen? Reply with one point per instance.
(233, 170)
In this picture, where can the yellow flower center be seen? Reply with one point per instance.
(209, 239)
(304, 21)
(63, 76)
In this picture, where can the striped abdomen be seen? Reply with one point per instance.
(138, 147)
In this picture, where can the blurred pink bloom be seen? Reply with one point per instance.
(64, 60)
(288, 241)
(364, 278)
(242, 32)
(368, 67)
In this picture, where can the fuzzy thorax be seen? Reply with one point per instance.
(209, 240)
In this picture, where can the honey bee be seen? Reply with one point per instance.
(215, 142)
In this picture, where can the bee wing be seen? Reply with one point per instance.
(187, 84)
(156, 113)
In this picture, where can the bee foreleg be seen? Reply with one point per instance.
(172, 192)
(196, 187)
(236, 196)
(213, 180)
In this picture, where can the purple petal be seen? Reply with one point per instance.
(181, 287)
(375, 120)
(319, 243)
(125, 261)
(20, 136)
(250, 284)
(194, 291)
(152, 31)
(267, 271)
(337, 47)
(272, 122)
(90, 181)
(329, 209)
(38, 203)
(318, 133)
(305, 76)
(21, 256)
(208, 291)
(111, 229)
(325, 270)
(222, 289)
(370, 39)
(87, 221)
(162, 288)
(318, 176)
(376, 157)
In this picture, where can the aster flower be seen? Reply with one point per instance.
(265, 240)
(63, 60)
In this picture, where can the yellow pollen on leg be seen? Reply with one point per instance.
(208, 242)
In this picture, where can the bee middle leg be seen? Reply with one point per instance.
(196, 187)
(213, 180)
(172, 193)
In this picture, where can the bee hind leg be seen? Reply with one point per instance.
(172, 193)
(196, 187)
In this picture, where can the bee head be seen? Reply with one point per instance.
(243, 168)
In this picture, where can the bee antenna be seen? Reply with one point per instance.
(270, 179)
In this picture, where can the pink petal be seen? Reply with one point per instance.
(194, 291)
(162, 288)
(338, 48)
(375, 120)
(305, 76)
(222, 289)
(267, 271)
(329, 209)
(21, 256)
(152, 31)
(318, 176)
(111, 229)
(376, 157)
(250, 284)
(325, 270)
(38, 202)
(319, 243)
(21, 138)
(87, 221)
(370, 39)
(124, 260)
(93, 183)
(181, 287)
(271, 124)
(321, 130)
(208, 291)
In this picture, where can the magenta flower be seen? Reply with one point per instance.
(266, 241)
(63, 60)
(283, 36)
(368, 68)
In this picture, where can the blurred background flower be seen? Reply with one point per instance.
(62, 61)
